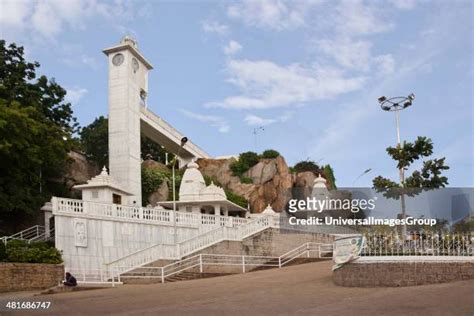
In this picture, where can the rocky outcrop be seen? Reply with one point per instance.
(160, 195)
(80, 169)
(303, 184)
(162, 192)
(274, 184)
(272, 181)
(219, 169)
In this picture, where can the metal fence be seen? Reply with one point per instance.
(418, 244)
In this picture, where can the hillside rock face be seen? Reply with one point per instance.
(272, 181)
(80, 170)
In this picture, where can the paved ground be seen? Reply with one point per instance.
(298, 290)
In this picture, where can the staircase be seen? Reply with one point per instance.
(34, 233)
(189, 246)
(193, 267)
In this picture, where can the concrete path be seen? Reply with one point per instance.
(297, 290)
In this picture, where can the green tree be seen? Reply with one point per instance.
(36, 128)
(307, 165)
(329, 175)
(270, 153)
(246, 161)
(95, 141)
(152, 178)
(429, 177)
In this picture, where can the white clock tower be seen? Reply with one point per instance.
(128, 87)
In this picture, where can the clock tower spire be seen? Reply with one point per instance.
(127, 91)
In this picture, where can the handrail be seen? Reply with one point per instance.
(141, 214)
(229, 260)
(188, 246)
(30, 233)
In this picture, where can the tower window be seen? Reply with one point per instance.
(143, 95)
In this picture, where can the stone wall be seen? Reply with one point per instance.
(407, 273)
(271, 242)
(29, 276)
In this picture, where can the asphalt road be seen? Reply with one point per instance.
(297, 290)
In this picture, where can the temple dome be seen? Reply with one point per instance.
(269, 211)
(319, 182)
(213, 192)
(192, 183)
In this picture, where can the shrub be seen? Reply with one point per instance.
(329, 175)
(270, 153)
(151, 179)
(246, 161)
(3, 252)
(307, 165)
(237, 199)
(35, 252)
(246, 180)
(249, 157)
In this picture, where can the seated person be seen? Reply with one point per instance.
(70, 280)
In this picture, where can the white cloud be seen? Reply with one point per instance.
(215, 121)
(264, 84)
(258, 121)
(14, 13)
(255, 120)
(232, 48)
(267, 14)
(215, 27)
(347, 53)
(353, 17)
(74, 95)
(355, 54)
(48, 18)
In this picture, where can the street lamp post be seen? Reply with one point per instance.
(396, 104)
(183, 142)
(363, 173)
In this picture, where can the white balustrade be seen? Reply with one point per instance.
(142, 214)
(189, 246)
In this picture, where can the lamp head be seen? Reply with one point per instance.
(382, 99)
(184, 140)
(411, 96)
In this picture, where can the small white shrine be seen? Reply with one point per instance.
(196, 197)
(103, 189)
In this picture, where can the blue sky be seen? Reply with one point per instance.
(309, 72)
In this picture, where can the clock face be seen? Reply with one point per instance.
(117, 60)
(135, 65)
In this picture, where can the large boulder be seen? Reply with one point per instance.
(303, 184)
(80, 170)
(272, 181)
(219, 169)
(160, 194)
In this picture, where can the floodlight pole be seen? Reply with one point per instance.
(396, 104)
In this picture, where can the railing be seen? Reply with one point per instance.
(172, 131)
(419, 244)
(246, 263)
(142, 214)
(187, 247)
(29, 234)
